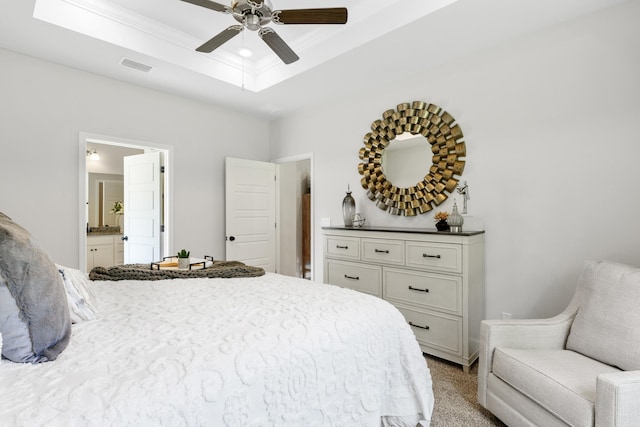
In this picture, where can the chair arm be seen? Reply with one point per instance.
(548, 333)
(618, 399)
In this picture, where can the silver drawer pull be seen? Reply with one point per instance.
(430, 256)
(418, 289)
(351, 277)
(382, 251)
(418, 326)
(342, 247)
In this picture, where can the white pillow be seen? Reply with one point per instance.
(82, 300)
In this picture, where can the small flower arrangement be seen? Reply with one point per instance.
(441, 221)
(118, 208)
(441, 216)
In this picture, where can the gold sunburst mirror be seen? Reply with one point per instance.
(442, 140)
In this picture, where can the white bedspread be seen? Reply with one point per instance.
(269, 351)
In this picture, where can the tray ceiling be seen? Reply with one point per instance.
(170, 30)
(381, 42)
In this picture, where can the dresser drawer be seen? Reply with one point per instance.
(360, 277)
(385, 251)
(425, 290)
(436, 330)
(343, 247)
(435, 256)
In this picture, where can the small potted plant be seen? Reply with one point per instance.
(441, 221)
(183, 259)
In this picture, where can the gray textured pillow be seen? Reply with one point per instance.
(34, 314)
(607, 326)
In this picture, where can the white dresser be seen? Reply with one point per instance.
(435, 279)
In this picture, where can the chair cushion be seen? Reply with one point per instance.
(561, 381)
(607, 326)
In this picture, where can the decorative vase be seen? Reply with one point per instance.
(348, 208)
(442, 225)
(183, 263)
(455, 220)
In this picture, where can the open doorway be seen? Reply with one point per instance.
(295, 200)
(100, 189)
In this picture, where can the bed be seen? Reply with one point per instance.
(247, 352)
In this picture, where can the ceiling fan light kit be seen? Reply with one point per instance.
(255, 14)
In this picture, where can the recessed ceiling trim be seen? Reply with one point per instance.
(121, 26)
(134, 20)
(86, 17)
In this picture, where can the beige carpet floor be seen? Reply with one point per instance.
(456, 396)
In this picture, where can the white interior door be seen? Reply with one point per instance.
(250, 199)
(142, 207)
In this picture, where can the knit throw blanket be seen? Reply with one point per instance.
(219, 269)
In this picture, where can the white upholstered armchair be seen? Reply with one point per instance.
(580, 368)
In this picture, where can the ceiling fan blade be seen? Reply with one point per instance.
(334, 15)
(273, 40)
(209, 5)
(220, 39)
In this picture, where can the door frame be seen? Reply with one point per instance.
(83, 139)
(293, 159)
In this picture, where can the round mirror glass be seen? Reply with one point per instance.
(405, 160)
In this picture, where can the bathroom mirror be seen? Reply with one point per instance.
(411, 195)
(104, 190)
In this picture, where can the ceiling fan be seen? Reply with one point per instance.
(254, 14)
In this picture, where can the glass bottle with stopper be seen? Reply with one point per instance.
(455, 220)
(348, 208)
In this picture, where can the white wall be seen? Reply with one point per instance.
(45, 106)
(553, 144)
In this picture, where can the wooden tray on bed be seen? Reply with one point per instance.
(171, 263)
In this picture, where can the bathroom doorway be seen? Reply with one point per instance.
(101, 166)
